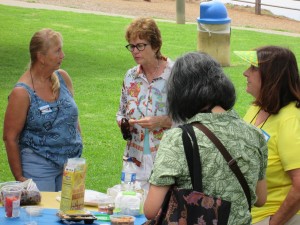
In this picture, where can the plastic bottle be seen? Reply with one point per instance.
(128, 177)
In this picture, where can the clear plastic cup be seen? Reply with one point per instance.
(11, 197)
(32, 214)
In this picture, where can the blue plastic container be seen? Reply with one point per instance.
(213, 12)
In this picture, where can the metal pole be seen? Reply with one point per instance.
(180, 11)
(258, 7)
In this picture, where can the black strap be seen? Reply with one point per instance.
(192, 156)
(231, 162)
(194, 164)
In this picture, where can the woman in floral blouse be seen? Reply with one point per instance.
(143, 96)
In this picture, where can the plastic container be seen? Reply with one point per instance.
(122, 220)
(33, 210)
(76, 217)
(106, 205)
(11, 198)
(32, 214)
(129, 203)
(214, 31)
(5, 184)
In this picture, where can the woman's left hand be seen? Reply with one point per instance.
(152, 122)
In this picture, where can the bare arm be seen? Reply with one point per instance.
(14, 121)
(155, 198)
(261, 193)
(291, 204)
(152, 122)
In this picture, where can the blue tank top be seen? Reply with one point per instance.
(51, 128)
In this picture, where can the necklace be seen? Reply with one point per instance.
(263, 122)
(54, 96)
(45, 109)
(32, 81)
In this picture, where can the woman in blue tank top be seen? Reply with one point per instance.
(41, 128)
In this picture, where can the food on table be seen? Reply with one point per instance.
(122, 220)
(77, 216)
(108, 209)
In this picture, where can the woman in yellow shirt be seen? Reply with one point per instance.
(273, 80)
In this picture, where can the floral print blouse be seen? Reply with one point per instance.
(139, 98)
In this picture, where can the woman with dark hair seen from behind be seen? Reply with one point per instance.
(143, 97)
(273, 80)
(198, 90)
(41, 128)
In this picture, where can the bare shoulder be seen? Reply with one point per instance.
(19, 96)
(67, 79)
(65, 75)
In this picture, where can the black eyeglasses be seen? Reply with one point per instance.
(139, 46)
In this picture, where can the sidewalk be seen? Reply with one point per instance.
(34, 5)
(61, 8)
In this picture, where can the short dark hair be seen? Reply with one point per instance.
(280, 81)
(197, 84)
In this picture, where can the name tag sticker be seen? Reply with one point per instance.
(266, 135)
(45, 109)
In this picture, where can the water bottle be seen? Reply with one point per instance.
(128, 177)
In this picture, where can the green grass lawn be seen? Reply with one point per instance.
(97, 60)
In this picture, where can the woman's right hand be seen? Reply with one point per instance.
(21, 179)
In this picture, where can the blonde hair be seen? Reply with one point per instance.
(40, 43)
